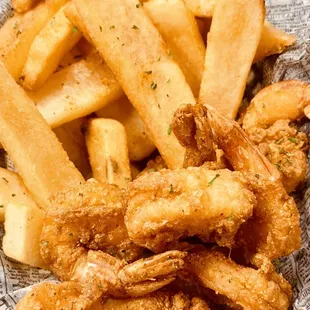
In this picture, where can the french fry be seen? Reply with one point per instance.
(22, 6)
(134, 50)
(23, 226)
(57, 38)
(201, 8)
(273, 41)
(74, 92)
(108, 153)
(70, 58)
(72, 139)
(22, 32)
(73, 16)
(179, 29)
(37, 154)
(12, 190)
(230, 53)
(140, 144)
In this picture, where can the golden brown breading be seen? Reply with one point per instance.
(89, 216)
(285, 147)
(163, 300)
(62, 296)
(252, 289)
(167, 205)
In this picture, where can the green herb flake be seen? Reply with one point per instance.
(230, 218)
(134, 27)
(45, 243)
(15, 25)
(277, 263)
(212, 181)
(168, 81)
(71, 235)
(74, 29)
(281, 150)
(112, 27)
(151, 170)
(1, 206)
(171, 188)
(264, 105)
(13, 195)
(279, 141)
(127, 179)
(139, 4)
(4, 179)
(169, 130)
(278, 165)
(294, 140)
(159, 58)
(257, 176)
(153, 85)
(148, 72)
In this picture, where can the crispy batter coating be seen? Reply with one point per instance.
(285, 147)
(274, 229)
(89, 216)
(249, 288)
(62, 296)
(163, 300)
(267, 121)
(154, 165)
(167, 205)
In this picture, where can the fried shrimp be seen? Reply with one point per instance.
(74, 296)
(267, 121)
(245, 287)
(156, 301)
(62, 296)
(86, 223)
(166, 206)
(274, 229)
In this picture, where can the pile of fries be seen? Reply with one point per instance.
(89, 88)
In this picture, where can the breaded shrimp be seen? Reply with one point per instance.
(83, 226)
(89, 216)
(243, 286)
(274, 229)
(74, 296)
(267, 121)
(156, 301)
(62, 296)
(166, 206)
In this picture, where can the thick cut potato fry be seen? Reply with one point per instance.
(12, 190)
(74, 92)
(108, 153)
(22, 6)
(201, 8)
(70, 58)
(56, 39)
(22, 32)
(179, 29)
(232, 42)
(73, 16)
(140, 144)
(72, 139)
(37, 154)
(23, 226)
(273, 41)
(136, 53)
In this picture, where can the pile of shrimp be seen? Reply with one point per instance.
(199, 237)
